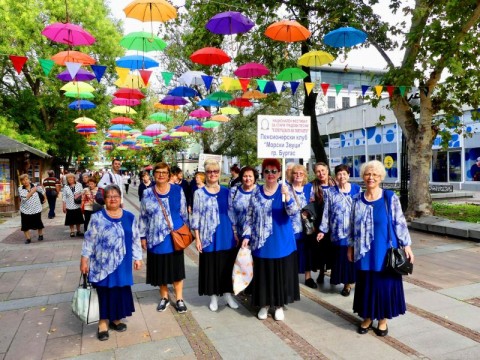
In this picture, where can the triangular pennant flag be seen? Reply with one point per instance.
(402, 90)
(338, 88)
(261, 84)
(145, 75)
(227, 82)
(294, 86)
(278, 85)
(244, 83)
(390, 90)
(73, 68)
(324, 88)
(122, 74)
(98, 70)
(308, 87)
(378, 90)
(350, 88)
(47, 65)
(167, 77)
(18, 62)
(364, 89)
(207, 80)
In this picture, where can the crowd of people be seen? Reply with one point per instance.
(292, 227)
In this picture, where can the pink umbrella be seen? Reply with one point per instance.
(70, 34)
(200, 113)
(250, 70)
(125, 102)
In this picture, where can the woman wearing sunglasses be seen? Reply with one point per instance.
(214, 238)
(269, 232)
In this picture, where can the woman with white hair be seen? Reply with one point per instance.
(378, 223)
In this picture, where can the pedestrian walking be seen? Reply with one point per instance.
(30, 208)
(52, 188)
(72, 199)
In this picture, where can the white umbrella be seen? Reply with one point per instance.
(191, 78)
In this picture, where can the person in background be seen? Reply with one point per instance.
(214, 238)
(63, 176)
(144, 184)
(269, 232)
(127, 180)
(179, 180)
(475, 170)
(52, 188)
(74, 216)
(200, 179)
(288, 171)
(112, 176)
(30, 208)
(84, 180)
(111, 249)
(377, 223)
(336, 221)
(89, 197)
(234, 172)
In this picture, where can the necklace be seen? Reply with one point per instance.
(162, 191)
(270, 191)
(118, 214)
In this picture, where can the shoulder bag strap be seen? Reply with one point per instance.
(163, 210)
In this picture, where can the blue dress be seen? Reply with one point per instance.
(303, 198)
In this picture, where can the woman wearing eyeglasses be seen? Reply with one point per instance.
(214, 238)
(269, 232)
(164, 264)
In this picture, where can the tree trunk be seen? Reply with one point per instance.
(317, 143)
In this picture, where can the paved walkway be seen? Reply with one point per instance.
(37, 282)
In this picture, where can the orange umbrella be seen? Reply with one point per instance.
(254, 94)
(73, 56)
(287, 31)
(161, 106)
(150, 10)
(220, 118)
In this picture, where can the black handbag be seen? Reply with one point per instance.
(308, 222)
(396, 260)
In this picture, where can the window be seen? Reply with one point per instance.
(439, 166)
(348, 160)
(455, 166)
(345, 102)
(331, 102)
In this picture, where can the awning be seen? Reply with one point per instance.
(9, 146)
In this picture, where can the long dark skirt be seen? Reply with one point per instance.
(318, 254)
(275, 281)
(215, 272)
(343, 271)
(31, 221)
(379, 295)
(74, 217)
(301, 254)
(164, 269)
(115, 303)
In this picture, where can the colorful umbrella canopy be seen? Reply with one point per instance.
(78, 86)
(241, 102)
(250, 70)
(166, 107)
(156, 126)
(183, 91)
(291, 74)
(150, 10)
(79, 95)
(200, 113)
(199, 129)
(70, 34)
(126, 102)
(210, 56)
(287, 31)
(127, 93)
(145, 138)
(315, 59)
(208, 102)
(229, 22)
(187, 129)
(132, 81)
(122, 110)
(160, 117)
(192, 78)
(220, 118)
(82, 75)
(84, 120)
(230, 85)
(210, 124)
(253, 94)
(192, 122)
(142, 41)
(121, 120)
(173, 100)
(220, 96)
(229, 111)
(119, 127)
(81, 105)
(345, 37)
(82, 126)
(72, 56)
(134, 62)
(178, 134)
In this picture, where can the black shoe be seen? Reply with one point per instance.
(162, 305)
(72, 234)
(361, 330)
(120, 327)
(320, 278)
(381, 332)
(181, 307)
(311, 283)
(345, 291)
(79, 233)
(102, 335)
(28, 241)
(40, 237)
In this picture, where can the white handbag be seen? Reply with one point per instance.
(242, 273)
(85, 302)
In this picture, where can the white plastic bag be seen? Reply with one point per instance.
(85, 302)
(242, 273)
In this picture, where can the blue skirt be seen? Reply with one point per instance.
(115, 303)
(343, 271)
(379, 295)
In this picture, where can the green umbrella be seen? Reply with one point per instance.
(210, 124)
(145, 138)
(142, 41)
(219, 96)
(79, 95)
(160, 117)
(291, 74)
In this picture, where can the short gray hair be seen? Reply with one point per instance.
(377, 166)
(111, 188)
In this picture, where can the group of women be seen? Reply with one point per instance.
(268, 219)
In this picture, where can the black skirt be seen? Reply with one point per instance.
(31, 221)
(74, 217)
(164, 269)
(318, 254)
(343, 271)
(275, 281)
(215, 272)
(115, 303)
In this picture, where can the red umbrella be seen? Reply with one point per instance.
(70, 34)
(210, 56)
(250, 70)
(125, 102)
(188, 129)
(122, 120)
(241, 102)
(287, 31)
(127, 93)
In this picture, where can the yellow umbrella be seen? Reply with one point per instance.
(132, 81)
(232, 85)
(122, 110)
(315, 59)
(254, 94)
(84, 121)
(220, 118)
(77, 86)
(229, 111)
(150, 10)
(179, 134)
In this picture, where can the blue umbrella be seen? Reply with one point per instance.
(208, 102)
(345, 37)
(120, 127)
(183, 91)
(192, 122)
(81, 105)
(134, 62)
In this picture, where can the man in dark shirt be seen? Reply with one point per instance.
(52, 188)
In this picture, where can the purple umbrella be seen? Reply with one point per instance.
(173, 100)
(82, 75)
(229, 22)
